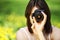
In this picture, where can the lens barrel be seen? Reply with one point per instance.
(38, 15)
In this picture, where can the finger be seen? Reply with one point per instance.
(45, 18)
(31, 20)
(32, 26)
(34, 20)
(44, 14)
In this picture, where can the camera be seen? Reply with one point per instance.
(38, 15)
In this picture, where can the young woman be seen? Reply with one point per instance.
(38, 29)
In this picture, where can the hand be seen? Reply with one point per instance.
(37, 27)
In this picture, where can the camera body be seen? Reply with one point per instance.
(38, 15)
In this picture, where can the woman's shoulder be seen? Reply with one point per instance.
(20, 35)
(55, 28)
(21, 29)
(55, 33)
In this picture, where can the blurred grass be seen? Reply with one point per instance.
(55, 11)
(12, 16)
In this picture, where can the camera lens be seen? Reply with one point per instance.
(38, 15)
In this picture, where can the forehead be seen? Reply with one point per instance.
(33, 9)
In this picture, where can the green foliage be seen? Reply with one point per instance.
(55, 11)
(12, 16)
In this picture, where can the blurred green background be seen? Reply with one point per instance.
(12, 16)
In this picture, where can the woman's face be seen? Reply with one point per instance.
(37, 13)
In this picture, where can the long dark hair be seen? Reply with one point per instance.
(41, 4)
